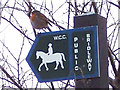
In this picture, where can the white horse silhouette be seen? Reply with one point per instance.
(56, 57)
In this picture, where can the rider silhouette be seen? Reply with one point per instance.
(50, 49)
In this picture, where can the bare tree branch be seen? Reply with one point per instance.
(10, 77)
(52, 85)
(94, 6)
(112, 61)
(114, 4)
(17, 29)
(74, 8)
(112, 83)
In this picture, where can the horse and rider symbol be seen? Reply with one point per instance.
(50, 57)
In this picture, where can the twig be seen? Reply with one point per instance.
(68, 15)
(76, 9)
(101, 6)
(10, 77)
(52, 85)
(112, 61)
(8, 50)
(66, 85)
(114, 4)
(17, 29)
(55, 23)
(94, 7)
(112, 83)
(84, 7)
(18, 61)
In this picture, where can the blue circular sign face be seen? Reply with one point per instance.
(65, 54)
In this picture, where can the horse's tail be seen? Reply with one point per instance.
(63, 56)
(37, 55)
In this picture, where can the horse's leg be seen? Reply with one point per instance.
(57, 63)
(46, 67)
(39, 69)
(61, 63)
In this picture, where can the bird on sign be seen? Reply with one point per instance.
(39, 20)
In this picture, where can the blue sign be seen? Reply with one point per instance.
(63, 55)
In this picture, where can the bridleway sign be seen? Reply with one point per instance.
(63, 55)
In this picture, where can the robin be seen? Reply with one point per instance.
(39, 20)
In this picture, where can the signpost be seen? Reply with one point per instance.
(63, 55)
(101, 22)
